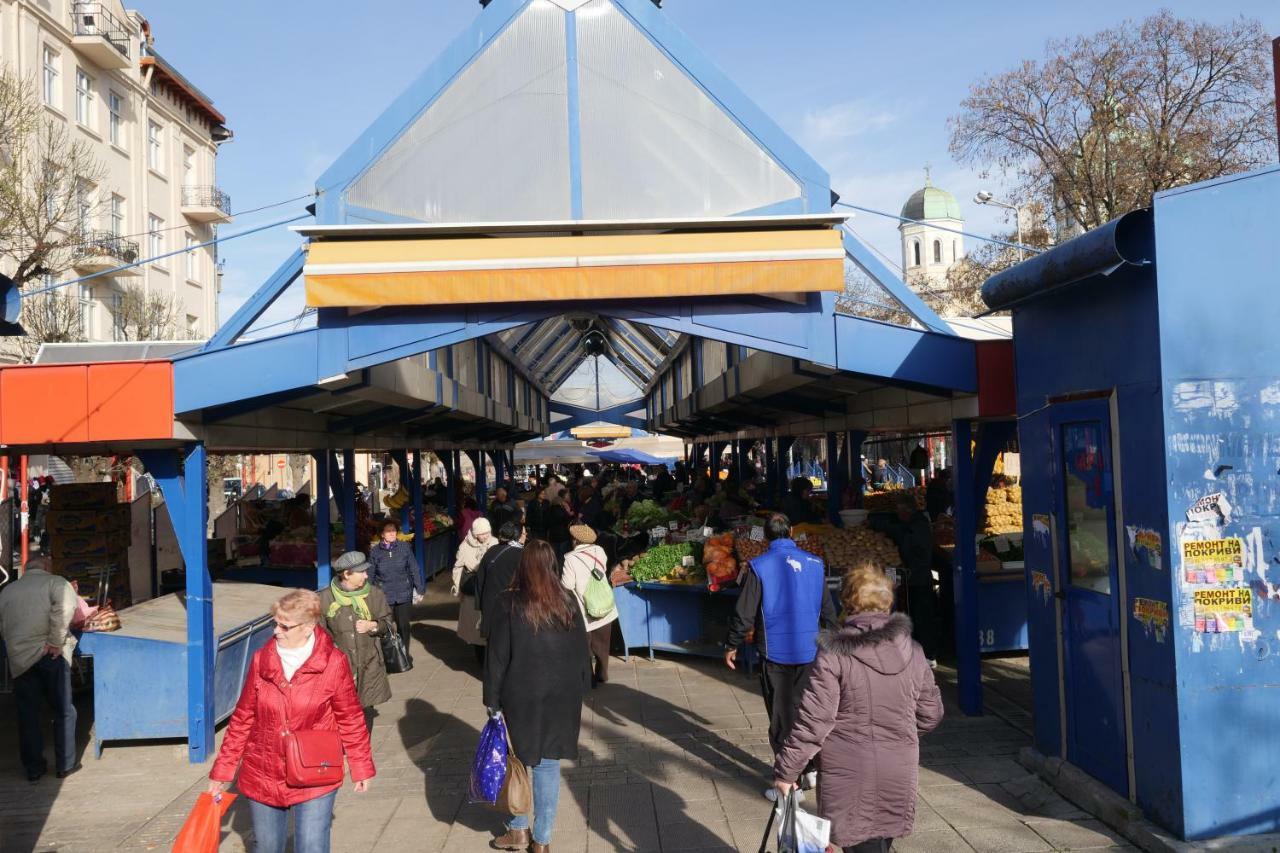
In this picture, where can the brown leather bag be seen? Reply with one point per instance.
(516, 796)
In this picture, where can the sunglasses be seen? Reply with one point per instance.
(286, 628)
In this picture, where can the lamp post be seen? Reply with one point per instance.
(985, 197)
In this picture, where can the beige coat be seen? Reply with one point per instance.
(468, 559)
(578, 564)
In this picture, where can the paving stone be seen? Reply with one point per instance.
(1076, 835)
(1014, 838)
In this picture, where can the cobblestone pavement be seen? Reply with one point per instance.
(674, 756)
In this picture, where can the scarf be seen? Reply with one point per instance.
(354, 599)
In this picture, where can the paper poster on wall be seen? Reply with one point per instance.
(1213, 561)
(1210, 508)
(1222, 611)
(1040, 586)
(1040, 527)
(1153, 615)
(1147, 544)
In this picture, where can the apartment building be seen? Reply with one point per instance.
(95, 67)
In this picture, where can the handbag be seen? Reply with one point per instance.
(312, 758)
(516, 796)
(395, 656)
(468, 584)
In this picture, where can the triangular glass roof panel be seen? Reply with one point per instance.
(654, 143)
(494, 145)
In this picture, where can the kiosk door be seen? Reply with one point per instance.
(1089, 579)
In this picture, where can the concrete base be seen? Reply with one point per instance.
(1123, 816)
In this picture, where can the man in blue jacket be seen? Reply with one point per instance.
(393, 567)
(784, 598)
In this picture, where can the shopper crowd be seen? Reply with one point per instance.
(532, 577)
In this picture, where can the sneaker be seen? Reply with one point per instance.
(809, 781)
(933, 663)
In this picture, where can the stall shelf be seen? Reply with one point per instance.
(667, 617)
(1002, 611)
(140, 671)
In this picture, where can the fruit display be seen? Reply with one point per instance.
(886, 500)
(718, 558)
(748, 549)
(944, 531)
(854, 546)
(1003, 512)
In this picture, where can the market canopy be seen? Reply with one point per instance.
(627, 456)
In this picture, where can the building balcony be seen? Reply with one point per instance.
(99, 35)
(99, 251)
(206, 204)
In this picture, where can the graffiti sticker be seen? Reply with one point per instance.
(1153, 615)
(1148, 542)
(1041, 586)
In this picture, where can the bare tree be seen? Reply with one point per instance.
(48, 188)
(140, 315)
(56, 317)
(1106, 120)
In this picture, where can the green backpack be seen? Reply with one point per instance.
(598, 599)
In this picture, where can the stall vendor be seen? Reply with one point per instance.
(911, 531)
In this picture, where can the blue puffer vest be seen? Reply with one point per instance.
(794, 582)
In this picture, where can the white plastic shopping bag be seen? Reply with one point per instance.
(799, 831)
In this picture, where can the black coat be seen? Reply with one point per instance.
(557, 521)
(500, 514)
(396, 572)
(537, 679)
(493, 577)
(914, 539)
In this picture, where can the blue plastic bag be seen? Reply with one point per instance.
(489, 769)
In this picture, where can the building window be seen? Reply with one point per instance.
(937, 251)
(188, 167)
(155, 238)
(84, 207)
(915, 253)
(193, 326)
(50, 77)
(86, 310)
(955, 250)
(155, 146)
(115, 118)
(192, 260)
(84, 98)
(117, 318)
(115, 215)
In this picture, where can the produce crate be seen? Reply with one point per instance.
(82, 496)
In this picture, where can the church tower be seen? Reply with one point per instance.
(928, 251)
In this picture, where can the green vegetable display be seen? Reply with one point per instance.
(644, 515)
(659, 560)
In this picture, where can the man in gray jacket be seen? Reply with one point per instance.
(35, 622)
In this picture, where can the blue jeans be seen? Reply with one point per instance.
(48, 682)
(311, 822)
(546, 800)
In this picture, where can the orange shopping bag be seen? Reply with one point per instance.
(202, 831)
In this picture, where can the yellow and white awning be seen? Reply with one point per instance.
(406, 265)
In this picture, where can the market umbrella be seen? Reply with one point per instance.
(630, 456)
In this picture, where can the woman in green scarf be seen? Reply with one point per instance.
(356, 614)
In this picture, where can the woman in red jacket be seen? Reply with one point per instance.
(299, 682)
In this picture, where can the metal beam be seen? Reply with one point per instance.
(259, 302)
(323, 532)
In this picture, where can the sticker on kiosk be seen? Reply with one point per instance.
(1213, 560)
(1221, 611)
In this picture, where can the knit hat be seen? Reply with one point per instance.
(352, 561)
(582, 533)
(481, 525)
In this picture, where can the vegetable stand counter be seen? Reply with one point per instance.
(687, 618)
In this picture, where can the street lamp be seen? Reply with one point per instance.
(984, 197)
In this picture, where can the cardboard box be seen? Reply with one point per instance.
(64, 522)
(112, 544)
(82, 496)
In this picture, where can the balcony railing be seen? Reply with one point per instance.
(94, 19)
(197, 196)
(105, 246)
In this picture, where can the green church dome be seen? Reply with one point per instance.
(930, 202)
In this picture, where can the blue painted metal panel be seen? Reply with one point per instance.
(419, 95)
(906, 355)
(1002, 613)
(968, 662)
(259, 302)
(323, 537)
(575, 131)
(253, 369)
(1220, 396)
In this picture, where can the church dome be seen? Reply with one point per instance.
(930, 202)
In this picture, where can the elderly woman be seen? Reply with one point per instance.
(478, 541)
(585, 560)
(300, 681)
(870, 696)
(357, 616)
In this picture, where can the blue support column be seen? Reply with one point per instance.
(323, 569)
(419, 525)
(349, 499)
(968, 647)
(833, 483)
(185, 491)
(856, 439)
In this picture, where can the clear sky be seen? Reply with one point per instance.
(865, 87)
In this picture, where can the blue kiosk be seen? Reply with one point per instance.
(1149, 421)
(564, 170)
